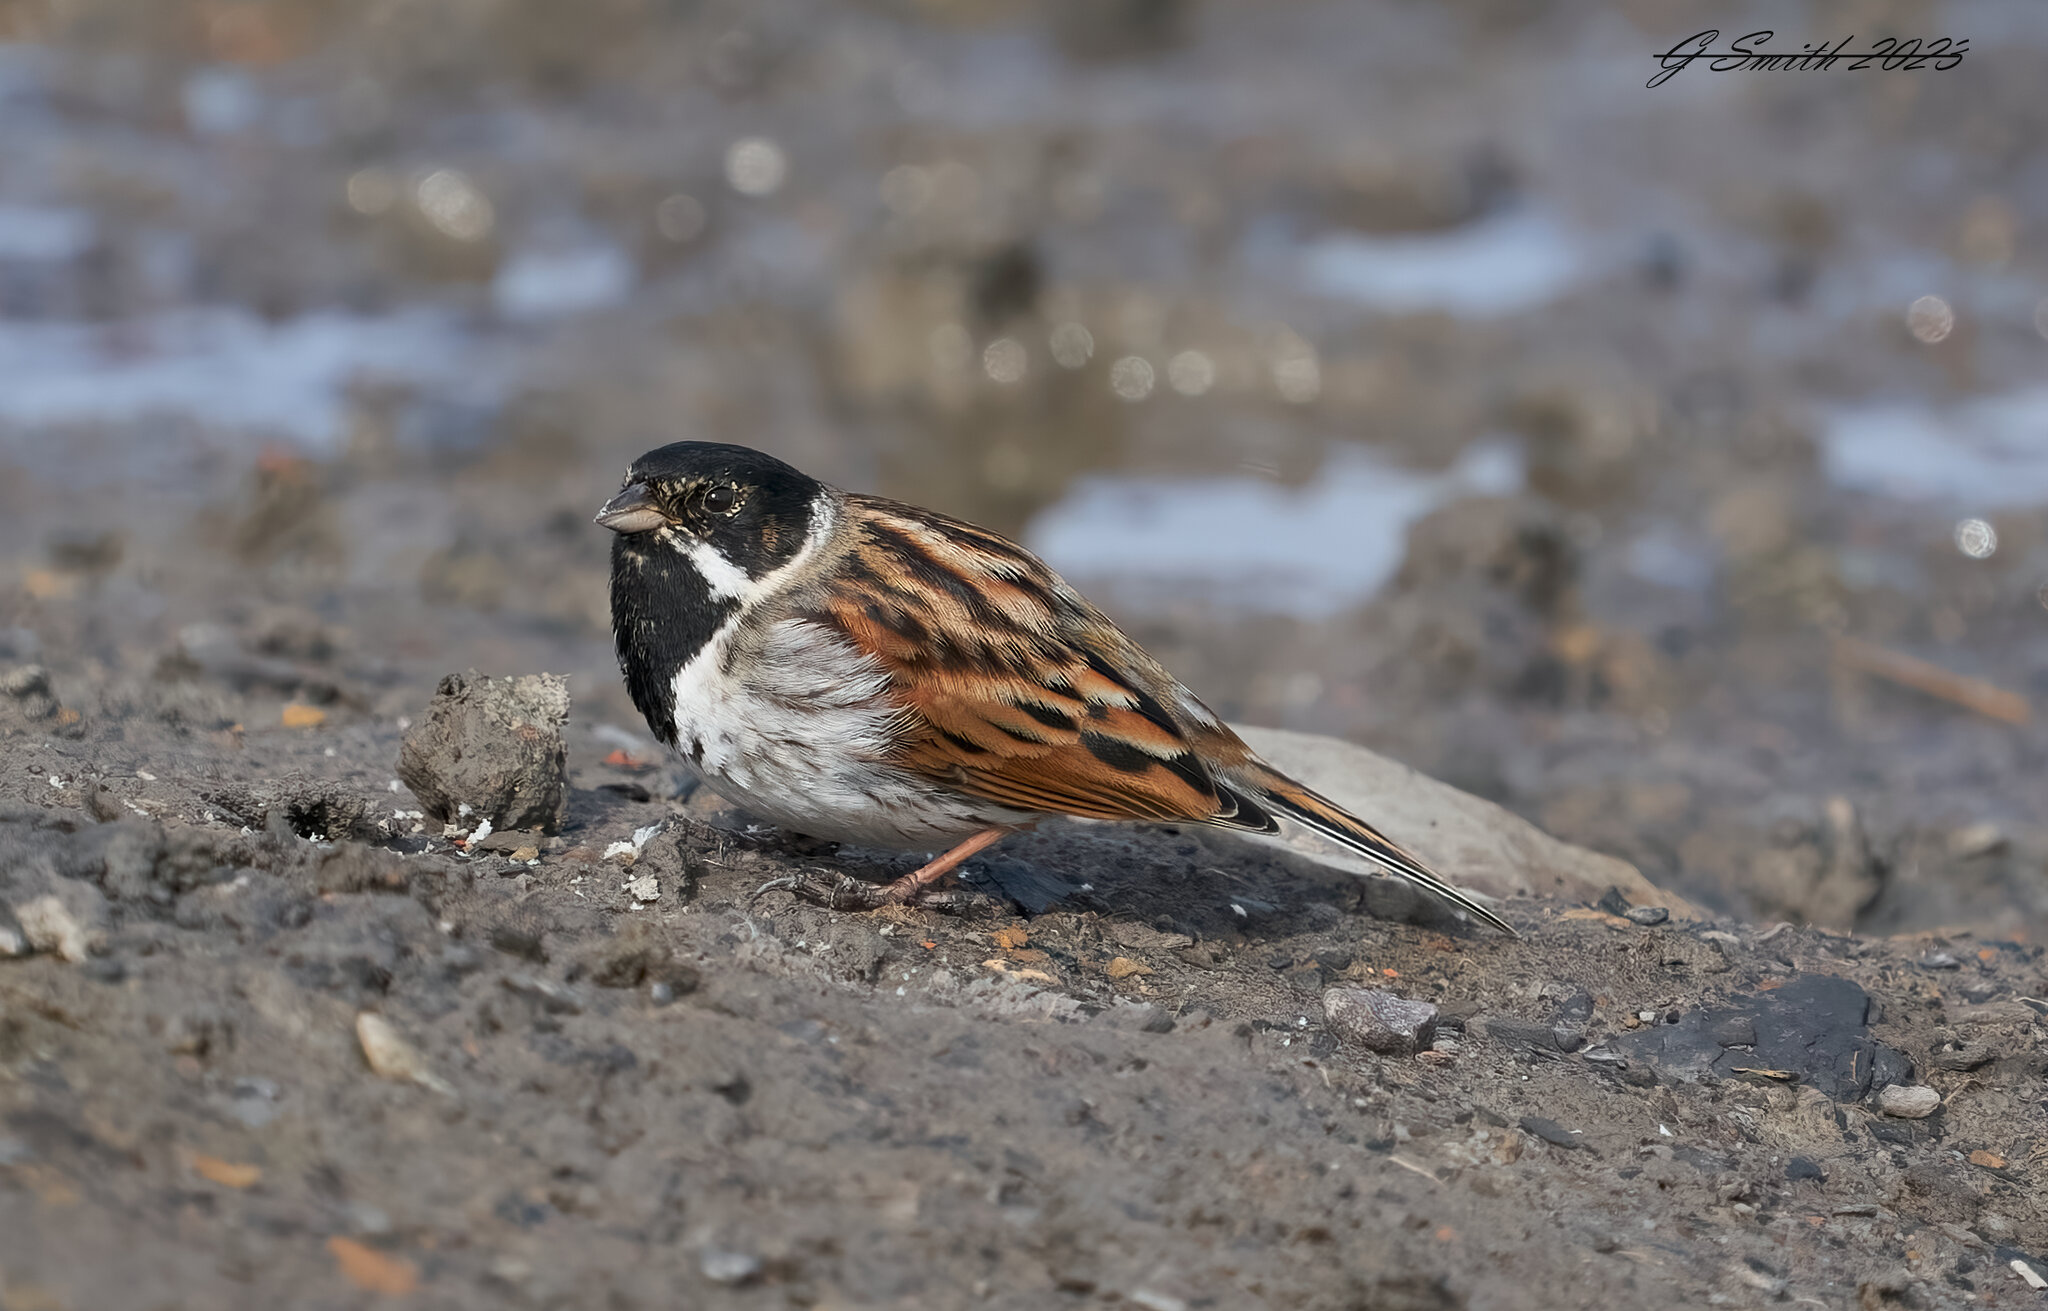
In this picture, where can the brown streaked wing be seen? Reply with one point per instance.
(1014, 689)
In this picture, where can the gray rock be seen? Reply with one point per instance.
(1476, 844)
(1380, 1021)
(13, 942)
(1648, 914)
(1550, 1131)
(1908, 1102)
(722, 1266)
(492, 745)
(1817, 1027)
(65, 917)
(28, 687)
(1522, 1033)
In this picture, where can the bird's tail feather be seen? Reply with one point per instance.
(1320, 814)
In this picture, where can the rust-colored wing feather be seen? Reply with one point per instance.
(1014, 688)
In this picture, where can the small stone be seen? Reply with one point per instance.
(1123, 967)
(1152, 1300)
(1550, 1131)
(13, 942)
(1380, 1021)
(50, 925)
(1800, 1167)
(524, 854)
(1988, 1160)
(1940, 960)
(1908, 1102)
(645, 888)
(491, 747)
(1649, 914)
(29, 686)
(552, 997)
(1973, 840)
(722, 1266)
(393, 1057)
(1521, 1033)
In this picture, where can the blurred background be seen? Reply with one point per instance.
(1670, 466)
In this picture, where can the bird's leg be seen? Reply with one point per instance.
(845, 892)
(938, 867)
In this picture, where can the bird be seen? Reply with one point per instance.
(856, 669)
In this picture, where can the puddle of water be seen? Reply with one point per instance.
(43, 234)
(543, 284)
(225, 368)
(1309, 551)
(1668, 556)
(1496, 266)
(1983, 454)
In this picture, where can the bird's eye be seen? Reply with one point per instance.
(722, 499)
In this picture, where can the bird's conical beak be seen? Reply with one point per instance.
(633, 510)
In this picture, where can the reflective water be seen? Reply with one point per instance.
(1310, 551)
(1986, 453)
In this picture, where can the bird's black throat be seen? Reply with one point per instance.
(663, 613)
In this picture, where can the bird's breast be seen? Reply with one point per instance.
(796, 724)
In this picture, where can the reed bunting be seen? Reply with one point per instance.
(864, 671)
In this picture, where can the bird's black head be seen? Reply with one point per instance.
(751, 510)
(700, 527)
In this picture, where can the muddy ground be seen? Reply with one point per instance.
(724, 1097)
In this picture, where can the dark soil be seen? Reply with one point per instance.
(721, 1096)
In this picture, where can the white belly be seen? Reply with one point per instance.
(803, 739)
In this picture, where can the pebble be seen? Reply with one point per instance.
(49, 925)
(552, 997)
(1380, 1021)
(13, 942)
(393, 1057)
(1550, 1131)
(1975, 840)
(721, 1266)
(1522, 1033)
(645, 888)
(1908, 1102)
(492, 748)
(1649, 914)
(255, 1102)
